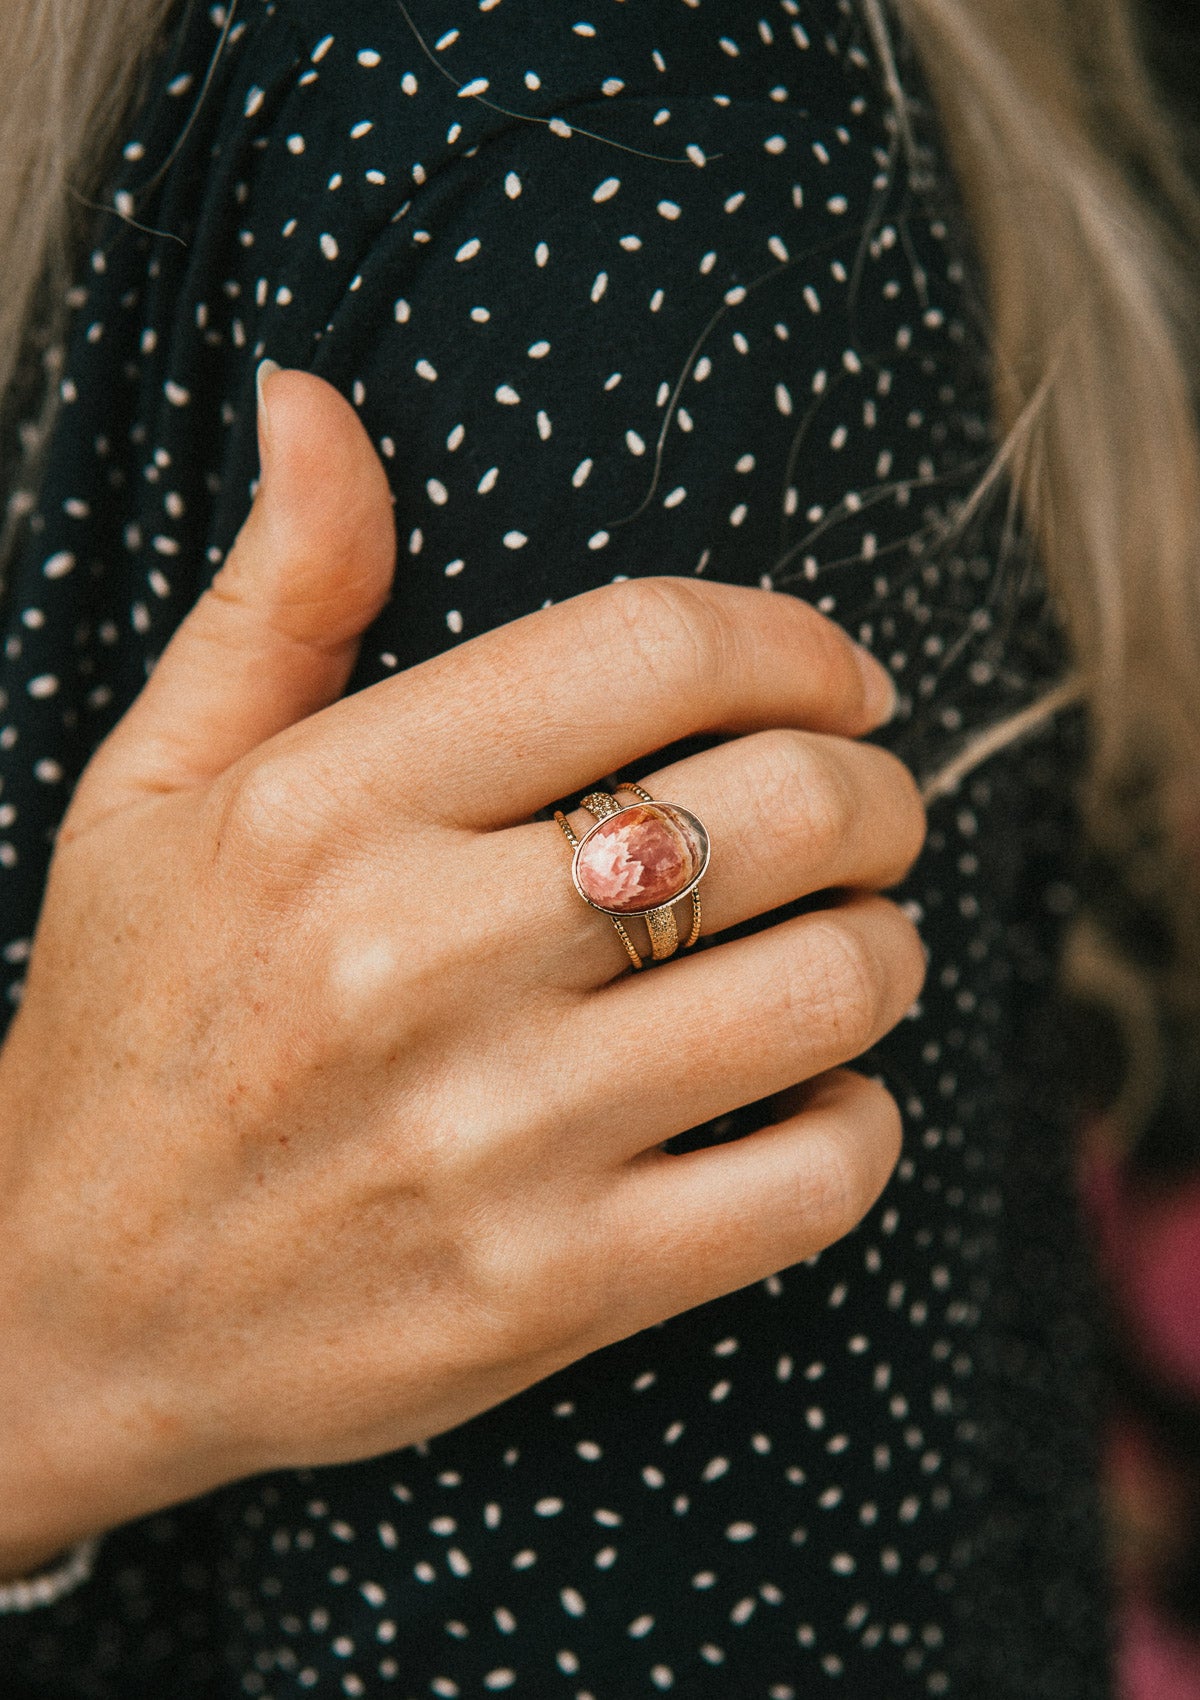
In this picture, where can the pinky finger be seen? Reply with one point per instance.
(698, 1226)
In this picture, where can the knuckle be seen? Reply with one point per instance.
(902, 963)
(265, 802)
(267, 825)
(826, 797)
(836, 1199)
(519, 1278)
(358, 997)
(860, 968)
(910, 823)
(900, 958)
(675, 630)
(849, 1173)
(801, 796)
(839, 982)
(828, 653)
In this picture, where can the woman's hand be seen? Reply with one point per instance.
(330, 1116)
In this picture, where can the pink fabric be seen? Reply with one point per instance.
(1150, 1250)
(1154, 1661)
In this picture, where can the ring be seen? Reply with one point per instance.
(640, 859)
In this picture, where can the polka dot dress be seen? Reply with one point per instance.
(619, 287)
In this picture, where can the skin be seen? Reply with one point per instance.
(331, 1116)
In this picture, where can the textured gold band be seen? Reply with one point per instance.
(664, 934)
(660, 923)
(601, 804)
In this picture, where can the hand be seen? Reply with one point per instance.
(331, 1115)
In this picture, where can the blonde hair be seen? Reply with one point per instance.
(69, 70)
(1088, 229)
(1082, 215)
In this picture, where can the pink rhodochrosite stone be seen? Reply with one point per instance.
(641, 858)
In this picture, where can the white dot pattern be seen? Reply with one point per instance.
(615, 292)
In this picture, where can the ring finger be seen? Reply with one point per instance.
(788, 813)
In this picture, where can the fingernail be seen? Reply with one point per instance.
(265, 369)
(879, 688)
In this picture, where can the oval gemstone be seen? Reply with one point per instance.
(641, 858)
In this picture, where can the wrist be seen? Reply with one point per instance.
(75, 1462)
(84, 1443)
(79, 1453)
(47, 1504)
(82, 1454)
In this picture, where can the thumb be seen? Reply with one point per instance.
(275, 636)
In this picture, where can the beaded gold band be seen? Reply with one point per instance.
(610, 873)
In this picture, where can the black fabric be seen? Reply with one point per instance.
(872, 1473)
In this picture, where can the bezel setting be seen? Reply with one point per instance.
(695, 825)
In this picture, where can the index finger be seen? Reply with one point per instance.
(525, 714)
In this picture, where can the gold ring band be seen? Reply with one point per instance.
(685, 836)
